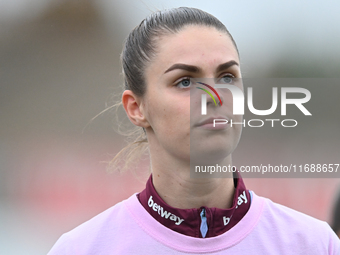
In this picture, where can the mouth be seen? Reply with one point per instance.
(214, 123)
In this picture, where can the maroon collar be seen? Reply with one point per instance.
(197, 222)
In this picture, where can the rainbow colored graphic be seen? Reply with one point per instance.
(210, 93)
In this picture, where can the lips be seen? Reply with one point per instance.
(211, 120)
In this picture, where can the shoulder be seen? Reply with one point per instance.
(296, 229)
(280, 214)
(96, 231)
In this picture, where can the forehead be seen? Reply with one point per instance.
(194, 44)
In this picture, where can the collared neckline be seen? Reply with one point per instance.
(197, 222)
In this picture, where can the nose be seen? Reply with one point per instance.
(214, 97)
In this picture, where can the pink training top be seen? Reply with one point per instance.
(267, 228)
(201, 222)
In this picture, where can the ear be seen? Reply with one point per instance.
(134, 109)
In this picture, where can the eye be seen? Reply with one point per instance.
(228, 78)
(184, 83)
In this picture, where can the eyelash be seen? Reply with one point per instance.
(183, 79)
(229, 75)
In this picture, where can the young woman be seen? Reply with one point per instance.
(176, 214)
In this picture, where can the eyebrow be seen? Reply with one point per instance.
(195, 69)
(226, 65)
(189, 68)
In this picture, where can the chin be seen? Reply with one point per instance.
(206, 156)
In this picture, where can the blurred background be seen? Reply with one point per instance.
(59, 68)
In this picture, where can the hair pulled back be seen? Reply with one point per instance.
(140, 48)
(141, 44)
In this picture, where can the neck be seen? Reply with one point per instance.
(172, 182)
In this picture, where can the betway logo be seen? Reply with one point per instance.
(242, 198)
(163, 213)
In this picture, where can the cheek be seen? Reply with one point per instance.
(168, 115)
(176, 119)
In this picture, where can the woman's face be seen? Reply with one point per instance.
(175, 122)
